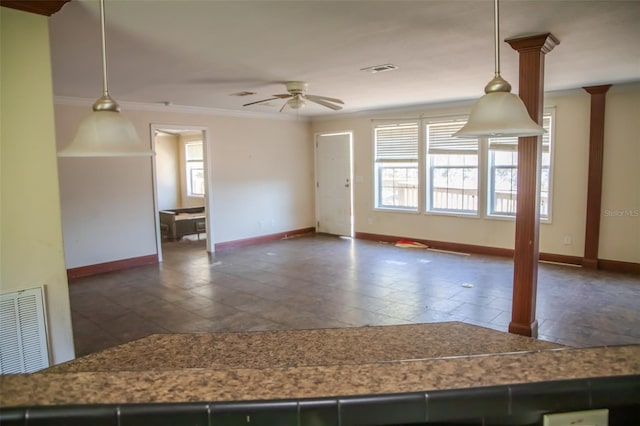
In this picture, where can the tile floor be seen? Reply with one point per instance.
(319, 281)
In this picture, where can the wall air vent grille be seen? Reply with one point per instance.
(23, 335)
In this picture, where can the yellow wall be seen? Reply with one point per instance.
(620, 236)
(168, 171)
(31, 237)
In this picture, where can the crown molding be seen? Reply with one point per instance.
(392, 112)
(184, 109)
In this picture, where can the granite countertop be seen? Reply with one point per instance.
(269, 349)
(235, 366)
(118, 387)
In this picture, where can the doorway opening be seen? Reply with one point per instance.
(334, 183)
(181, 185)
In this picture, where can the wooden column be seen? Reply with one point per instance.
(525, 271)
(594, 185)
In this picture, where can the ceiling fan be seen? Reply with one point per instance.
(297, 97)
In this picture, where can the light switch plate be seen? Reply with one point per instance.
(578, 418)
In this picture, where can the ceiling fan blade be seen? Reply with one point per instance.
(323, 103)
(257, 102)
(283, 106)
(324, 98)
(284, 95)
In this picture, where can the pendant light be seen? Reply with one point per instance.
(499, 113)
(104, 132)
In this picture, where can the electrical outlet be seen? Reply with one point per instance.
(566, 240)
(578, 418)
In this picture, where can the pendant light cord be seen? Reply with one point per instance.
(105, 102)
(496, 26)
(105, 83)
(497, 84)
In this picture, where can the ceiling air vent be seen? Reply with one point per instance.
(243, 93)
(380, 68)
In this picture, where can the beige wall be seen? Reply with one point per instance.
(620, 220)
(31, 236)
(168, 171)
(261, 172)
(620, 238)
(171, 171)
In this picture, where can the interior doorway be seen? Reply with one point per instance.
(334, 183)
(181, 184)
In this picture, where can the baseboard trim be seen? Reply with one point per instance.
(116, 265)
(608, 265)
(619, 266)
(561, 258)
(590, 263)
(604, 264)
(440, 245)
(262, 239)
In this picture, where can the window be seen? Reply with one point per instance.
(503, 176)
(452, 169)
(194, 169)
(396, 166)
(421, 167)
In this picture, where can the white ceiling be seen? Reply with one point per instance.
(198, 52)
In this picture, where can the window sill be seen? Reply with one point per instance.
(453, 214)
(396, 210)
(545, 221)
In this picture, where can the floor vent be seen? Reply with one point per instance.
(23, 333)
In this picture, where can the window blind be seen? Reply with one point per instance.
(194, 151)
(511, 143)
(440, 139)
(397, 142)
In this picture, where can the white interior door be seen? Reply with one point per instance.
(334, 183)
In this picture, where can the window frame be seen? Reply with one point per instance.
(484, 167)
(489, 213)
(457, 122)
(191, 166)
(380, 164)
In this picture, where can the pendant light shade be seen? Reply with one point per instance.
(499, 112)
(104, 132)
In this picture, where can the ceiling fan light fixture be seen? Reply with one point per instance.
(297, 98)
(296, 102)
(105, 132)
(499, 113)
